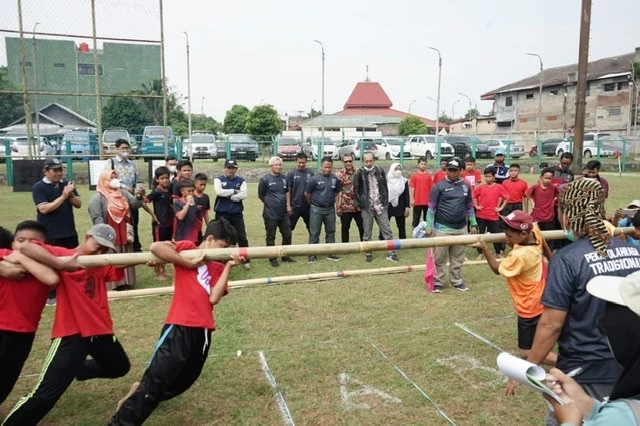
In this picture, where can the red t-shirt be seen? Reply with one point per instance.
(438, 176)
(516, 189)
(190, 306)
(543, 202)
(81, 299)
(21, 302)
(489, 197)
(474, 178)
(421, 183)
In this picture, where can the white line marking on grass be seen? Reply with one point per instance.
(457, 364)
(282, 404)
(29, 375)
(442, 413)
(479, 337)
(364, 390)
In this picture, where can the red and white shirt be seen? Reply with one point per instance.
(21, 302)
(190, 306)
(81, 300)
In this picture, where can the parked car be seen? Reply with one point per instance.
(512, 149)
(464, 146)
(153, 140)
(549, 146)
(356, 147)
(241, 147)
(389, 148)
(200, 145)
(83, 144)
(287, 148)
(427, 146)
(589, 149)
(328, 147)
(109, 138)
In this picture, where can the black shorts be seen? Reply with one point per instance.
(162, 234)
(526, 331)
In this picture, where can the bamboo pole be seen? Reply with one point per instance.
(129, 259)
(254, 282)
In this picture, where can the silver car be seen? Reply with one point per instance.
(510, 148)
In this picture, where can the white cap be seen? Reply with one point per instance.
(623, 291)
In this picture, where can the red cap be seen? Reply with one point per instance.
(518, 219)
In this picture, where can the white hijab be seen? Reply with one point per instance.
(395, 185)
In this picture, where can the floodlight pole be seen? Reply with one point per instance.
(322, 120)
(188, 85)
(453, 109)
(412, 102)
(439, 80)
(469, 98)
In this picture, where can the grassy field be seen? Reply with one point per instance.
(336, 349)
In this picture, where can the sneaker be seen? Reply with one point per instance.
(312, 259)
(274, 262)
(246, 266)
(392, 257)
(333, 257)
(288, 259)
(368, 258)
(437, 288)
(51, 301)
(461, 287)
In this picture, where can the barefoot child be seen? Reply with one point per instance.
(183, 347)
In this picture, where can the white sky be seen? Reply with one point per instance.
(243, 52)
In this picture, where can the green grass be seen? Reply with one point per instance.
(310, 333)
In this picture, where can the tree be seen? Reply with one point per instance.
(315, 113)
(472, 113)
(153, 106)
(235, 120)
(412, 125)
(124, 113)
(444, 118)
(263, 120)
(11, 107)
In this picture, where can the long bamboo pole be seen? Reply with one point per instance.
(285, 279)
(129, 259)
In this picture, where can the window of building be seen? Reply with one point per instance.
(88, 69)
(614, 112)
(553, 92)
(58, 65)
(588, 89)
(622, 85)
(508, 101)
(532, 119)
(552, 118)
(529, 95)
(609, 87)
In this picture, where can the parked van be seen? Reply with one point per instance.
(200, 145)
(109, 138)
(83, 144)
(153, 138)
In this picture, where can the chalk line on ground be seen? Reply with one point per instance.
(477, 336)
(282, 404)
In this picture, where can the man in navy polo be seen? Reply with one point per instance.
(321, 194)
(297, 179)
(55, 200)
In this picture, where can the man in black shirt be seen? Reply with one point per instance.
(272, 191)
(297, 204)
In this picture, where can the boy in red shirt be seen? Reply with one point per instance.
(470, 174)
(22, 300)
(544, 196)
(442, 173)
(420, 188)
(489, 199)
(517, 189)
(183, 347)
(82, 325)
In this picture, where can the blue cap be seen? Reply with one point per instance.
(499, 152)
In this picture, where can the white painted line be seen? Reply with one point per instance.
(282, 404)
(479, 337)
(442, 413)
(29, 375)
(364, 390)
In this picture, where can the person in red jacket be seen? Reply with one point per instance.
(184, 341)
(82, 325)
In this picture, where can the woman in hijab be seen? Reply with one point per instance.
(621, 326)
(399, 200)
(112, 205)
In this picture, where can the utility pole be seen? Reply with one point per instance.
(439, 79)
(35, 95)
(581, 95)
(539, 95)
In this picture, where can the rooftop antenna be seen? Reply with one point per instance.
(366, 77)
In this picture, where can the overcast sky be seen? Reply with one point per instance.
(243, 52)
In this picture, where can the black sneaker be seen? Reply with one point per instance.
(368, 258)
(51, 301)
(333, 257)
(274, 262)
(312, 259)
(461, 287)
(288, 259)
(392, 257)
(437, 288)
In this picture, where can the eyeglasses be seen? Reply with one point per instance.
(347, 161)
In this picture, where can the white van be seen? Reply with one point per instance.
(426, 146)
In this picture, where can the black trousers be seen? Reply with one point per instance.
(67, 360)
(510, 207)
(492, 226)
(176, 364)
(135, 218)
(402, 227)
(270, 226)
(297, 214)
(345, 225)
(14, 350)
(237, 221)
(419, 215)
